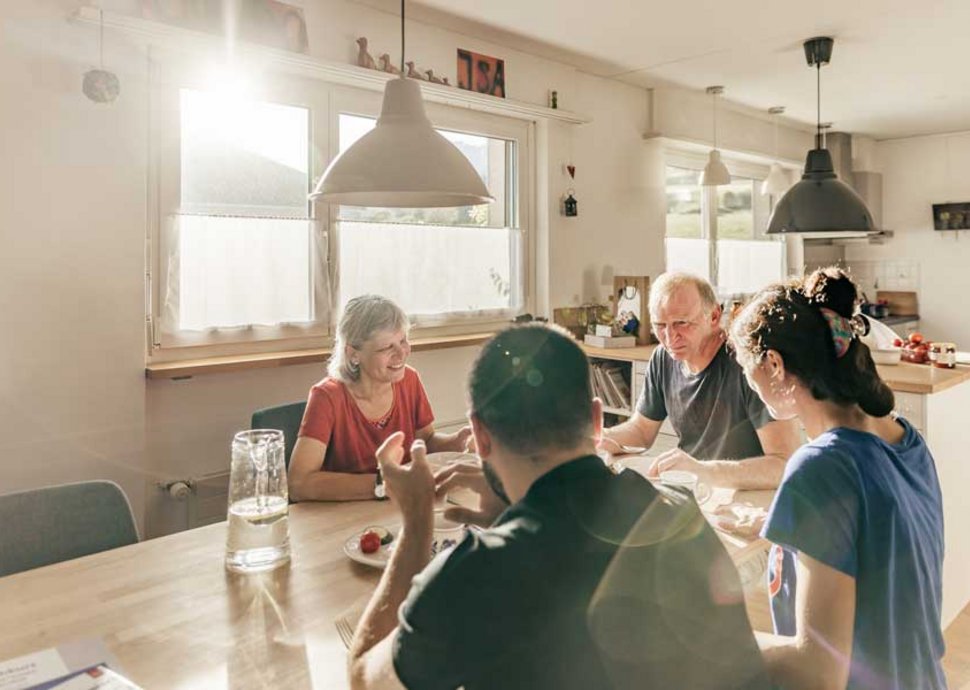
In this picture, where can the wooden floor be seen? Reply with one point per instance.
(956, 663)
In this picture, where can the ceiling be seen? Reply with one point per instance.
(899, 68)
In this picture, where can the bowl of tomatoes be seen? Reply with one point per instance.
(915, 349)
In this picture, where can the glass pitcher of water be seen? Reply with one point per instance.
(258, 536)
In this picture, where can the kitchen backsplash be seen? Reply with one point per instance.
(871, 276)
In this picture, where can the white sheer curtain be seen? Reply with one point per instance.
(231, 272)
(429, 269)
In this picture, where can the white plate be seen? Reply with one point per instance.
(439, 460)
(379, 558)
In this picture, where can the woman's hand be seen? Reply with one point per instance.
(411, 486)
(469, 475)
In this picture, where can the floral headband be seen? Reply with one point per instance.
(844, 330)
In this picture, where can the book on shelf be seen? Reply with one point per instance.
(609, 341)
(620, 384)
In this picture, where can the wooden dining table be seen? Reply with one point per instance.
(173, 617)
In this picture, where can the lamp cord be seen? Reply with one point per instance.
(818, 105)
(714, 96)
(101, 37)
(402, 37)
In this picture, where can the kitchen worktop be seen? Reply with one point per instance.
(903, 377)
(922, 378)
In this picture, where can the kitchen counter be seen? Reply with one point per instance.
(922, 378)
(903, 377)
(896, 319)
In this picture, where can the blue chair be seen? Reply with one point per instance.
(286, 418)
(58, 523)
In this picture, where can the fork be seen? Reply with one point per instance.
(344, 630)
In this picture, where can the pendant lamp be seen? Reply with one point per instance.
(820, 203)
(402, 161)
(777, 182)
(715, 172)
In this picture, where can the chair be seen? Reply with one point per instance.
(58, 523)
(286, 418)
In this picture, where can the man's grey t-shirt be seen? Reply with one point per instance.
(714, 412)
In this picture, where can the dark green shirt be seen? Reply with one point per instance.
(593, 580)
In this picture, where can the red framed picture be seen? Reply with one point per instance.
(481, 73)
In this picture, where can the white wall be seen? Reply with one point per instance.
(918, 172)
(73, 396)
(74, 403)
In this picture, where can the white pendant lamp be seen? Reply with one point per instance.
(715, 172)
(777, 182)
(402, 162)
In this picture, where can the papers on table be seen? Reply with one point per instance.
(80, 665)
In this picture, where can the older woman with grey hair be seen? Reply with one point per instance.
(369, 394)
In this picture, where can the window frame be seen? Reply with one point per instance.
(350, 101)
(169, 73)
(761, 207)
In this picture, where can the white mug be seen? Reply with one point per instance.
(689, 481)
(446, 534)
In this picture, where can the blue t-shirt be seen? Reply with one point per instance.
(873, 511)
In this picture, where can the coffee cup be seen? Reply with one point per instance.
(445, 534)
(689, 481)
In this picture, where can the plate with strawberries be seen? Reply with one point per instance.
(372, 546)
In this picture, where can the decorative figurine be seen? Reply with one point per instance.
(432, 78)
(363, 57)
(414, 73)
(385, 65)
(100, 85)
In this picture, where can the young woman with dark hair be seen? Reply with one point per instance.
(857, 523)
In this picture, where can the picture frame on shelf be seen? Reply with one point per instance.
(481, 73)
(631, 298)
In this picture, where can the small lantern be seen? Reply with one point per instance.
(569, 205)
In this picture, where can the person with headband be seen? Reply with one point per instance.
(854, 572)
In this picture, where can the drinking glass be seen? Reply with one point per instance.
(258, 537)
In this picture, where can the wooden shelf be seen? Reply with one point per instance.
(158, 33)
(268, 360)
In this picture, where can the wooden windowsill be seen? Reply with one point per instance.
(267, 360)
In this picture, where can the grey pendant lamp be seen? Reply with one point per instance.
(715, 172)
(402, 162)
(820, 203)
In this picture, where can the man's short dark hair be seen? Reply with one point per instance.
(530, 388)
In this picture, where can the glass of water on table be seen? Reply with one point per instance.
(258, 537)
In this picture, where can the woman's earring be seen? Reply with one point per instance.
(354, 365)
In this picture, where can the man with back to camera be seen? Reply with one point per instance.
(586, 580)
(727, 435)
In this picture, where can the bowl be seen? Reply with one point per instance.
(886, 356)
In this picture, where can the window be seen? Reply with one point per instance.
(242, 261)
(717, 232)
(443, 265)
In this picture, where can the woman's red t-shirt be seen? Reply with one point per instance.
(333, 417)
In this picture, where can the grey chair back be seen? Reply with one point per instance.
(287, 418)
(58, 523)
